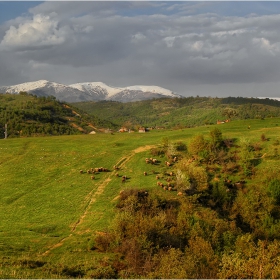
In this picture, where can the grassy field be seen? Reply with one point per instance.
(50, 211)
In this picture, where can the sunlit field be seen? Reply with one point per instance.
(51, 207)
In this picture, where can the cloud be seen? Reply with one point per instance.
(40, 31)
(123, 43)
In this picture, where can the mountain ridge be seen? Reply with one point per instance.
(90, 91)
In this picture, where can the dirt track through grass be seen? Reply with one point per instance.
(92, 196)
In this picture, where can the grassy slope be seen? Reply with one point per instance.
(49, 211)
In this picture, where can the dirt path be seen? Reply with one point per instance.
(93, 195)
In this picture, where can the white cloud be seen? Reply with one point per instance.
(40, 31)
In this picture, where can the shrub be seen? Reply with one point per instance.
(157, 151)
(263, 138)
(274, 189)
(103, 272)
(197, 145)
(216, 139)
(180, 146)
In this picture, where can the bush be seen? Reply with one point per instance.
(103, 272)
(197, 145)
(274, 190)
(180, 146)
(263, 138)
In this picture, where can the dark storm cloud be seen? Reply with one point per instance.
(121, 43)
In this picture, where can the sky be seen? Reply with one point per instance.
(205, 48)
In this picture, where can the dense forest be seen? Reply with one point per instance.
(28, 115)
(225, 223)
(181, 112)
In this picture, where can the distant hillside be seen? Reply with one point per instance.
(181, 112)
(29, 115)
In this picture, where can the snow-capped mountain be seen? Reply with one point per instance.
(92, 91)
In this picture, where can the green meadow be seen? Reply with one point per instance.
(50, 211)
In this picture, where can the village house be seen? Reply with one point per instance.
(123, 129)
(142, 129)
(220, 122)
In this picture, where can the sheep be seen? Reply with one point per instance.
(154, 160)
(117, 174)
(88, 171)
(180, 193)
(175, 159)
(157, 177)
(145, 173)
(158, 183)
(170, 188)
(92, 177)
(81, 171)
(168, 163)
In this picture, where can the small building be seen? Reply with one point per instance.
(220, 122)
(142, 130)
(123, 129)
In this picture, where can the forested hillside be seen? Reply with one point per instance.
(29, 115)
(181, 112)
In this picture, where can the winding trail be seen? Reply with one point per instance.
(94, 194)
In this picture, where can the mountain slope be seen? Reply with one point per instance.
(92, 91)
(181, 112)
(29, 115)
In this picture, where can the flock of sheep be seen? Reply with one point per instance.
(169, 177)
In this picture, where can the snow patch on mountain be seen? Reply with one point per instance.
(152, 89)
(91, 91)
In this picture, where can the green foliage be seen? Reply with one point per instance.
(254, 261)
(197, 145)
(29, 115)
(216, 139)
(274, 190)
(178, 113)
